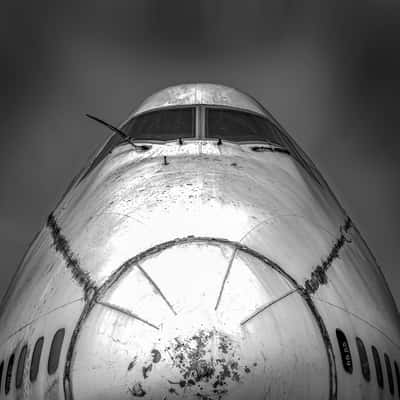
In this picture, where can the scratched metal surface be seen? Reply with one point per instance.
(205, 190)
(200, 93)
(354, 386)
(216, 272)
(191, 344)
(44, 284)
(357, 287)
(46, 387)
(263, 201)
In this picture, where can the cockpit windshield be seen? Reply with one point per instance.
(163, 125)
(239, 126)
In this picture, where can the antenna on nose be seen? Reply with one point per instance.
(116, 130)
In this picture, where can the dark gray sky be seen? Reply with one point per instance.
(328, 71)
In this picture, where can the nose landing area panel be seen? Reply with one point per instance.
(199, 320)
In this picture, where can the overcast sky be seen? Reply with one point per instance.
(328, 71)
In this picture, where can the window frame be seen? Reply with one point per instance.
(19, 375)
(364, 361)
(289, 146)
(345, 353)
(36, 358)
(196, 124)
(397, 373)
(9, 372)
(278, 132)
(200, 124)
(389, 373)
(1, 374)
(378, 367)
(55, 351)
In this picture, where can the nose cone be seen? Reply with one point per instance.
(199, 319)
(193, 357)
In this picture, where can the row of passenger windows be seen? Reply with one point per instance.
(52, 362)
(364, 362)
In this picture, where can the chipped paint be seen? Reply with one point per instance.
(206, 362)
(132, 363)
(62, 246)
(318, 275)
(137, 390)
(193, 358)
(270, 148)
(194, 369)
(156, 356)
(200, 370)
(146, 370)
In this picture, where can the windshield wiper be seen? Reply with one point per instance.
(119, 132)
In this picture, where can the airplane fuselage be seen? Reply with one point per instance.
(199, 267)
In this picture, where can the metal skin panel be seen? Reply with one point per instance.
(354, 281)
(43, 285)
(45, 387)
(199, 271)
(357, 287)
(205, 190)
(214, 342)
(200, 93)
(354, 385)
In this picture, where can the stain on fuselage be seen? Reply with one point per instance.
(206, 362)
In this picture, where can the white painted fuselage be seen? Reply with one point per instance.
(199, 269)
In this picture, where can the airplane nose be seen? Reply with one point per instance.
(202, 319)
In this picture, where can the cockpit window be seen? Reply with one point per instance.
(163, 125)
(239, 126)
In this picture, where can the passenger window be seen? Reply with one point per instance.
(20, 367)
(378, 366)
(389, 373)
(9, 374)
(55, 351)
(396, 369)
(37, 352)
(362, 352)
(344, 351)
(1, 373)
